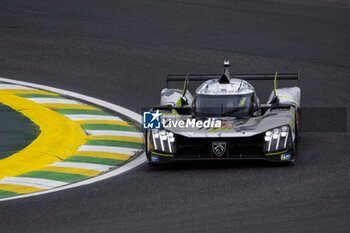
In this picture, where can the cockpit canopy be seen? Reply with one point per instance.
(240, 106)
(235, 98)
(233, 87)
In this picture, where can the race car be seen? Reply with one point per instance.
(224, 120)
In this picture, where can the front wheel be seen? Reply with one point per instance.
(294, 154)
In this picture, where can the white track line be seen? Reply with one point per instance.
(13, 87)
(90, 166)
(87, 117)
(113, 133)
(54, 101)
(126, 112)
(33, 182)
(111, 149)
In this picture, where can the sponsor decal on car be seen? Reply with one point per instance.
(285, 156)
(155, 158)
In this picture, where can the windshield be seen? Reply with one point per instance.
(224, 105)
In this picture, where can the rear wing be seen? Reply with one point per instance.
(205, 77)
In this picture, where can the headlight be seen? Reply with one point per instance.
(276, 139)
(162, 140)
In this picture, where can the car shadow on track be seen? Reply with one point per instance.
(208, 165)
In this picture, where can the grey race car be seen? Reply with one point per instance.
(225, 120)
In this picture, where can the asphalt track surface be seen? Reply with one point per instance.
(120, 51)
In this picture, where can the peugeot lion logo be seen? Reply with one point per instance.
(219, 148)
